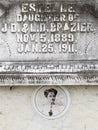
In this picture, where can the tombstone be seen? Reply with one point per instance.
(48, 42)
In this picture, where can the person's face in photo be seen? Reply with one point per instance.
(51, 97)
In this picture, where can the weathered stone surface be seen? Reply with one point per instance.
(17, 112)
(48, 42)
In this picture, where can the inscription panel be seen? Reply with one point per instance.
(48, 42)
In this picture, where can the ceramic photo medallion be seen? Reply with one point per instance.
(51, 102)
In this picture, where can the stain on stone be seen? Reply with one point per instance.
(86, 87)
(5, 8)
(96, 94)
(89, 9)
(0, 113)
(12, 87)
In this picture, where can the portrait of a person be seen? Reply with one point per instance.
(50, 94)
(50, 101)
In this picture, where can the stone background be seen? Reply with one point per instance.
(17, 112)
